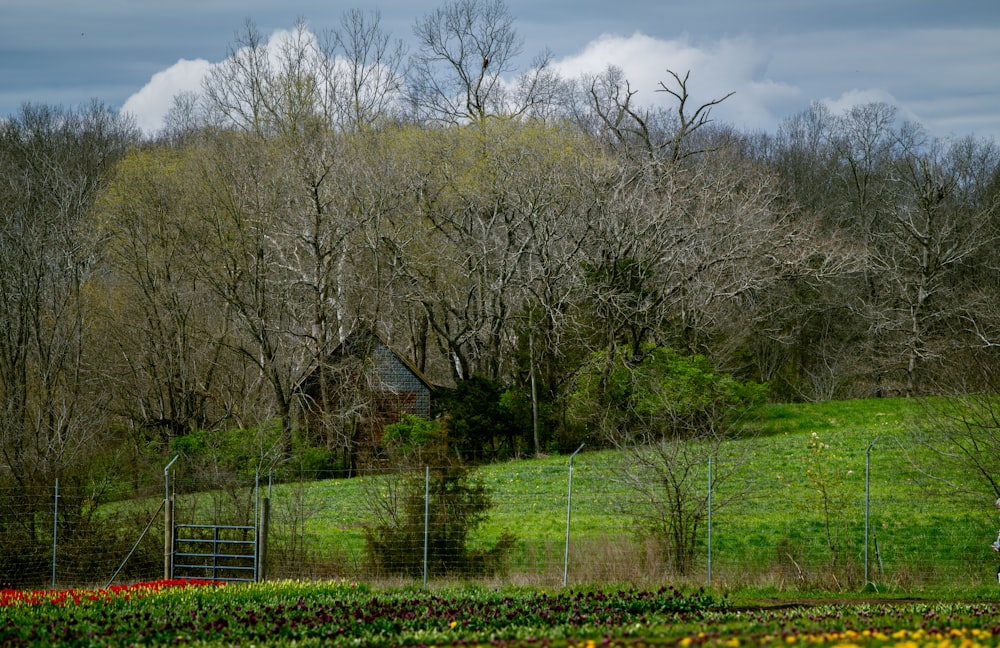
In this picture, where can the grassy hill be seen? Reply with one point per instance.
(792, 515)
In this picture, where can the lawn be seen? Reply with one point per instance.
(792, 514)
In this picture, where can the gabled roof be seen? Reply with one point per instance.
(361, 343)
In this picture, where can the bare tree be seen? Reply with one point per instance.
(663, 138)
(368, 80)
(167, 342)
(811, 339)
(687, 122)
(468, 270)
(464, 50)
(289, 187)
(184, 118)
(667, 489)
(247, 199)
(910, 202)
(495, 201)
(669, 415)
(236, 90)
(53, 420)
(936, 235)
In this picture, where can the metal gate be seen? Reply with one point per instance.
(215, 552)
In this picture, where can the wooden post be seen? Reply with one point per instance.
(262, 526)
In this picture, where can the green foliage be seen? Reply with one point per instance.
(480, 420)
(413, 514)
(236, 450)
(193, 444)
(412, 432)
(660, 390)
(223, 466)
(435, 519)
(316, 463)
(346, 614)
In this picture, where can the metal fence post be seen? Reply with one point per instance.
(263, 530)
(256, 526)
(55, 532)
(262, 533)
(168, 521)
(709, 524)
(427, 501)
(868, 455)
(569, 510)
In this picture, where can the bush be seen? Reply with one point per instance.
(480, 421)
(457, 505)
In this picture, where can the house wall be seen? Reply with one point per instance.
(397, 378)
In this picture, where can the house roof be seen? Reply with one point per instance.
(362, 343)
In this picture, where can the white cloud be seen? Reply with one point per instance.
(859, 97)
(150, 104)
(770, 78)
(737, 65)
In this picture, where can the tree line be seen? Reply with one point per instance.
(531, 235)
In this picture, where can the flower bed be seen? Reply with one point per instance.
(345, 614)
(14, 598)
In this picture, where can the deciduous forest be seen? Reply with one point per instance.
(546, 251)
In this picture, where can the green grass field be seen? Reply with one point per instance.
(791, 515)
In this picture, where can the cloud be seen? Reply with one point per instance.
(934, 76)
(859, 97)
(736, 65)
(729, 65)
(771, 77)
(150, 104)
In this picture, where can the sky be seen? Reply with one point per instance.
(938, 62)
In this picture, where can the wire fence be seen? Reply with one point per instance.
(546, 523)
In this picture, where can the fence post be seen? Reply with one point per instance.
(256, 526)
(55, 532)
(168, 521)
(868, 455)
(427, 501)
(709, 524)
(569, 510)
(262, 530)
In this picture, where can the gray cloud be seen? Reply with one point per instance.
(937, 60)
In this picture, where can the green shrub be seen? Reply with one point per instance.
(480, 422)
(660, 390)
(457, 505)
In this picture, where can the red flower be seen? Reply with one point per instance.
(9, 597)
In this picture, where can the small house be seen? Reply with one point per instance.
(361, 387)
